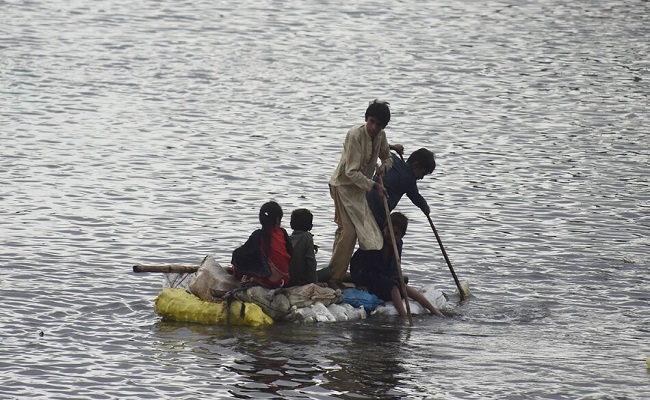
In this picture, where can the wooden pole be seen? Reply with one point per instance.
(444, 253)
(397, 260)
(178, 269)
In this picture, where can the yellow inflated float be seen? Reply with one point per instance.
(182, 306)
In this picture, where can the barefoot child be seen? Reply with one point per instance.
(376, 270)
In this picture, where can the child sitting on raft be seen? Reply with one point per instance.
(265, 256)
(302, 266)
(376, 270)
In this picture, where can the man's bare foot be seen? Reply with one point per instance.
(334, 284)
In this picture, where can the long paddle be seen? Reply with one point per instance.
(444, 253)
(395, 251)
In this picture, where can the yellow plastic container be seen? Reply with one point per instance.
(179, 305)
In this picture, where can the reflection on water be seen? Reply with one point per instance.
(152, 132)
(372, 362)
(362, 361)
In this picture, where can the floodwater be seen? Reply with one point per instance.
(151, 132)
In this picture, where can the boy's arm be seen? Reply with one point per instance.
(385, 154)
(398, 148)
(417, 199)
(310, 261)
(354, 163)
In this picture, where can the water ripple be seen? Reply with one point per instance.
(152, 134)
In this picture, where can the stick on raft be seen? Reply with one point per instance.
(177, 269)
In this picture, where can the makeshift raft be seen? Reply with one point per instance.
(208, 294)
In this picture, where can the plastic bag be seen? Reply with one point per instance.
(361, 298)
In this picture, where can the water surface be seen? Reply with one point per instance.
(152, 132)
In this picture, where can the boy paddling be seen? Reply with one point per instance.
(350, 182)
(402, 180)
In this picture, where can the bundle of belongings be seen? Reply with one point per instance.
(307, 303)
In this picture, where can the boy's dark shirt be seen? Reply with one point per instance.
(376, 270)
(398, 181)
(302, 266)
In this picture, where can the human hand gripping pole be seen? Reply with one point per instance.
(444, 253)
(397, 261)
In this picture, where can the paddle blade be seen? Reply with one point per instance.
(465, 287)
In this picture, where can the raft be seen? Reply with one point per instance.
(196, 295)
(176, 304)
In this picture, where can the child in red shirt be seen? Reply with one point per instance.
(265, 256)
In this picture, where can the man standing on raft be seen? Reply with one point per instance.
(348, 185)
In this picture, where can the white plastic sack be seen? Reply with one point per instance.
(435, 297)
(211, 282)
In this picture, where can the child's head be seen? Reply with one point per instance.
(400, 223)
(301, 220)
(422, 162)
(270, 214)
(379, 110)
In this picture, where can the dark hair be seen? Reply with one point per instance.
(424, 158)
(400, 220)
(270, 215)
(302, 219)
(379, 109)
